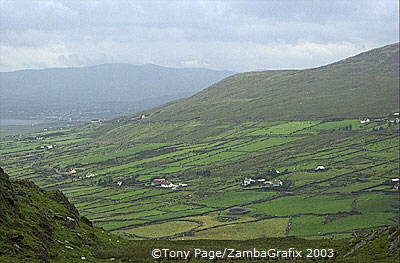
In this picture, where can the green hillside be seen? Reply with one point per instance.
(363, 85)
(43, 226)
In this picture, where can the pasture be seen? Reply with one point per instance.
(107, 172)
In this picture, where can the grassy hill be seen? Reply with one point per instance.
(363, 85)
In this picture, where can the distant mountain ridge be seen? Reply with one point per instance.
(363, 85)
(106, 82)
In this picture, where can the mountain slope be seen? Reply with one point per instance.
(363, 85)
(107, 82)
(42, 226)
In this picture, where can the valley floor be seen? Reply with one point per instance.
(108, 170)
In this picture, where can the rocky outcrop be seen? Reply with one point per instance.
(39, 224)
(7, 197)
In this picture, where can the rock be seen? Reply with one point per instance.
(58, 216)
(7, 196)
(395, 244)
(86, 221)
(70, 224)
(18, 238)
(62, 199)
(356, 247)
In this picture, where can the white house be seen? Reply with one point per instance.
(320, 168)
(91, 175)
(365, 120)
(248, 181)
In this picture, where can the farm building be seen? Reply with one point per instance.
(158, 181)
(396, 183)
(274, 183)
(365, 120)
(167, 184)
(48, 147)
(248, 181)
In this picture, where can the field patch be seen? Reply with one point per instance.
(163, 229)
(274, 227)
(228, 199)
(292, 205)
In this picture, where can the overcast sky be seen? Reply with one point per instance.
(231, 35)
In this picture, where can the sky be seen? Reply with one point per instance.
(225, 35)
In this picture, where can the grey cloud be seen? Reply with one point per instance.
(235, 35)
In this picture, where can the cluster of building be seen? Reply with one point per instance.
(164, 183)
(48, 147)
(250, 181)
(394, 118)
(91, 175)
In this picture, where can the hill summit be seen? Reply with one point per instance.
(364, 85)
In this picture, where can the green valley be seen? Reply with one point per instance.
(305, 156)
(108, 175)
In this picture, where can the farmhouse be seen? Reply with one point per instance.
(158, 181)
(320, 168)
(274, 183)
(167, 184)
(164, 183)
(365, 120)
(396, 183)
(248, 181)
(91, 175)
(48, 147)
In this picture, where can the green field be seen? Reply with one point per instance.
(212, 159)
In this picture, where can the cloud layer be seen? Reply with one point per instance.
(233, 35)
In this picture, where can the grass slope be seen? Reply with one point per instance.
(363, 85)
(42, 226)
